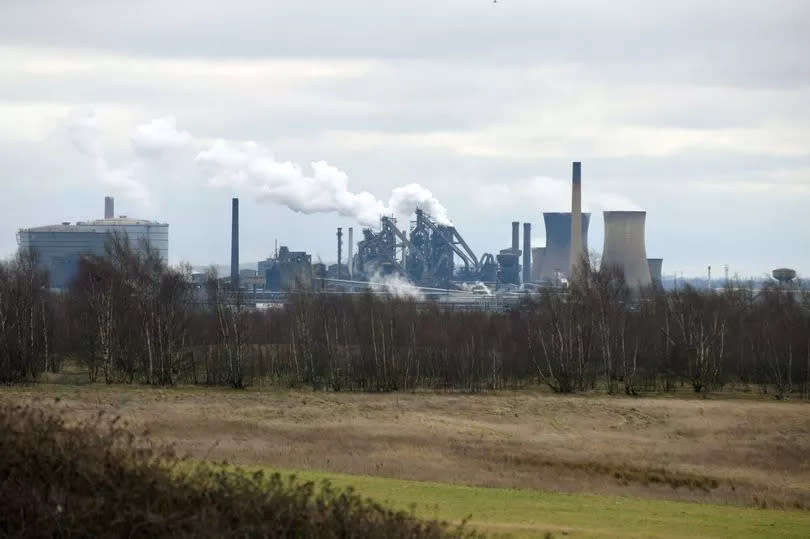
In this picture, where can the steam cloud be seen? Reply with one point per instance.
(159, 137)
(83, 132)
(324, 188)
(551, 194)
(250, 167)
(396, 286)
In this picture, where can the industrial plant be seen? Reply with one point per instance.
(430, 259)
(423, 258)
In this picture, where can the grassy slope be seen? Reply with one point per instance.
(532, 513)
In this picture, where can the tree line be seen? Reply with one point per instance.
(128, 318)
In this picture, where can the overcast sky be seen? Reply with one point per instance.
(697, 112)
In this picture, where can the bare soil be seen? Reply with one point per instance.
(721, 450)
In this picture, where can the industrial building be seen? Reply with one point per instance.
(289, 270)
(509, 259)
(61, 247)
(425, 256)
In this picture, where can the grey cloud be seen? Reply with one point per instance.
(709, 97)
(737, 42)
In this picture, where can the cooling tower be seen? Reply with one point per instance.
(576, 252)
(557, 256)
(624, 246)
(655, 265)
(235, 244)
(527, 252)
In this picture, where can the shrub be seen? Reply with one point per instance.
(97, 479)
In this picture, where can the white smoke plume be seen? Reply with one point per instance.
(159, 137)
(323, 188)
(396, 286)
(551, 194)
(406, 199)
(249, 168)
(475, 288)
(83, 132)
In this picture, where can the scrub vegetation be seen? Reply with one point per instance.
(98, 480)
(130, 319)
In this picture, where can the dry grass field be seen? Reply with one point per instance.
(730, 451)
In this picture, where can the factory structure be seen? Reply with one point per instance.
(431, 256)
(426, 258)
(434, 257)
(61, 247)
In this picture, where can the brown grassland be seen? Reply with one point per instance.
(722, 449)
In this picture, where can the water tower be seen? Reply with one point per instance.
(784, 275)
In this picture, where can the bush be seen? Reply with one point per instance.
(96, 479)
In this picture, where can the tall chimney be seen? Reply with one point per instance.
(351, 253)
(577, 251)
(340, 250)
(235, 244)
(515, 236)
(109, 208)
(527, 252)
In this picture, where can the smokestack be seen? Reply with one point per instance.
(527, 252)
(577, 252)
(109, 208)
(235, 244)
(515, 236)
(340, 249)
(351, 253)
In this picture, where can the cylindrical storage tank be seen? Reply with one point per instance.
(625, 247)
(61, 247)
(557, 256)
(655, 265)
(537, 261)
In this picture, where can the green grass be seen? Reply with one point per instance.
(531, 513)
